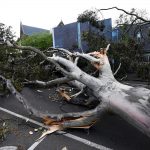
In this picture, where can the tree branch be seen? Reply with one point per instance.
(62, 50)
(49, 83)
(99, 110)
(128, 13)
(12, 89)
(86, 116)
(49, 59)
(117, 69)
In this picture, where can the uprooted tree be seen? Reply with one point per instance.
(131, 103)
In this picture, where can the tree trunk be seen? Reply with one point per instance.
(131, 103)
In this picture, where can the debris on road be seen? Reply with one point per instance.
(30, 132)
(39, 91)
(35, 130)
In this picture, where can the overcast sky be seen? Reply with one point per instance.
(48, 13)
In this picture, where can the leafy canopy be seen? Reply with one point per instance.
(40, 40)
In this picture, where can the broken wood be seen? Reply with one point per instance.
(131, 103)
(64, 94)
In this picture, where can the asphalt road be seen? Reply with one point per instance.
(111, 131)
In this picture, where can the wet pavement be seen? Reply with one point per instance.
(111, 131)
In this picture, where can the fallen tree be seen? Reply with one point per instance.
(131, 103)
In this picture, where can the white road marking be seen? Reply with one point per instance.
(8, 148)
(34, 145)
(74, 137)
(86, 142)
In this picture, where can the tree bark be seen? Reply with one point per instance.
(131, 103)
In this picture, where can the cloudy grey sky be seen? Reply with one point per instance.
(48, 13)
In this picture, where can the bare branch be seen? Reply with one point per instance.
(99, 110)
(49, 83)
(117, 69)
(21, 99)
(87, 57)
(107, 48)
(77, 84)
(77, 120)
(128, 13)
(49, 59)
(61, 50)
(76, 60)
(77, 54)
(78, 93)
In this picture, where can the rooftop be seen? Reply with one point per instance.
(29, 30)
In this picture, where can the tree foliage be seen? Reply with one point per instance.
(94, 40)
(40, 40)
(6, 33)
(91, 16)
(94, 37)
(20, 65)
(128, 49)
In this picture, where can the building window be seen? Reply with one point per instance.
(138, 36)
(115, 35)
(146, 58)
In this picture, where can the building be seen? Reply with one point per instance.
(69, 36)
(29, 30)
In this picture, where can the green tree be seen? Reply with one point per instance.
(128, 50)
(17, 65)
(6, 34)
(92, 17)
(40, 40)
(37, 70)
(94, 37)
